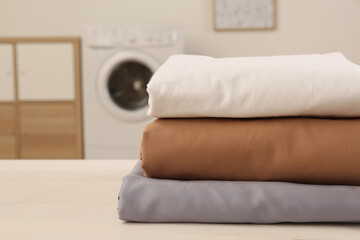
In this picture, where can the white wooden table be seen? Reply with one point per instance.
(77, 199)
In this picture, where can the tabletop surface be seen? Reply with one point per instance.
(77, 199)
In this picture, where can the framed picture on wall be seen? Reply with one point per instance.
(244, 15)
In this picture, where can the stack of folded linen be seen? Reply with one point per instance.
(257, 139)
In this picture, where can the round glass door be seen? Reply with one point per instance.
(122, 81)
(127, 85)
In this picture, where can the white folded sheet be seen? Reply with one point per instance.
(297, 85)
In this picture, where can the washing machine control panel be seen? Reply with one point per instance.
(131, 36)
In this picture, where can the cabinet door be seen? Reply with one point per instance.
(7, 132)
(45, 71)
(48, 131)
(6, 73)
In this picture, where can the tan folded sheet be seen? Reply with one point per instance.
(304, 150)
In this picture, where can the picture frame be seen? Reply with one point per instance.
(244, 15)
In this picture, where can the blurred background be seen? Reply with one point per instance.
(73, 74)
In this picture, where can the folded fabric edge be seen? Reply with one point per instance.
(140, 203)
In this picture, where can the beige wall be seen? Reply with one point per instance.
(304, 26)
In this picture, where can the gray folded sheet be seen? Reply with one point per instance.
(144, 199)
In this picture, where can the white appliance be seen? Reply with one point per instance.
(118, 62)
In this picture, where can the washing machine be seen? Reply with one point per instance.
(118, 62)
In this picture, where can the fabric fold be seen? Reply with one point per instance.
(144, 199)
(303, 150)
(246, 87)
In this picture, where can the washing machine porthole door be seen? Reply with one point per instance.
(127, 85)
(122, 81)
